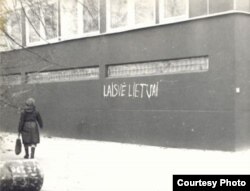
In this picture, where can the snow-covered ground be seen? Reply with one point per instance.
(82, 165)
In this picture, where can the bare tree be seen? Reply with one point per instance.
(11, 11)
(42, 20)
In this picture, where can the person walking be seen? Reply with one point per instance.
(30, 121)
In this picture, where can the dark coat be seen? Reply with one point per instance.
(30, 121)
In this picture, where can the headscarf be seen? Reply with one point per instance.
(29, 105)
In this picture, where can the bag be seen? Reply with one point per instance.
(18, 146)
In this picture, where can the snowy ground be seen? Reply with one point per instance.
(81, 165)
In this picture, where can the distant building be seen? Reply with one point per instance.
(172, 73)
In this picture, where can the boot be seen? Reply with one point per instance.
(33, 152)
(26, 148)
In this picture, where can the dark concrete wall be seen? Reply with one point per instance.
(192, 110)
(242, 71)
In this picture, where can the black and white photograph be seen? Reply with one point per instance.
(124, 95)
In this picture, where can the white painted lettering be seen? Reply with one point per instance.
(135, 90)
